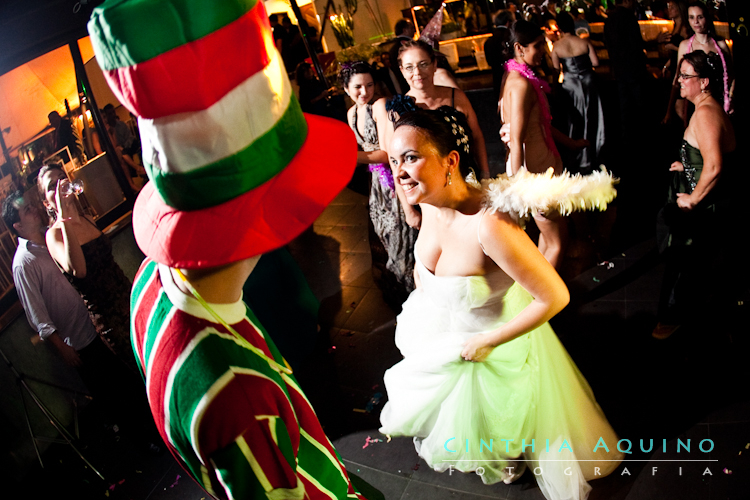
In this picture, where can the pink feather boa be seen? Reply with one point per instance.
(541, 87)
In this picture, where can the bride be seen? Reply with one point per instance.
(485, 385)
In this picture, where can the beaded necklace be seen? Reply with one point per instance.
(727, 104)
(541, 87)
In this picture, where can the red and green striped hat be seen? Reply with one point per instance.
(236, 168)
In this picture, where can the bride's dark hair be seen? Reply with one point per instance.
(447, 129)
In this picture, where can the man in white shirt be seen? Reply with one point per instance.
(57, 312)
(53, 307)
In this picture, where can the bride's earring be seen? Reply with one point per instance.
(449, 178)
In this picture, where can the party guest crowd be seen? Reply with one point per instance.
(476, 292)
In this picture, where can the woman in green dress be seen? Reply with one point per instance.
(697, 201)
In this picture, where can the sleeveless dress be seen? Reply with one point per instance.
(695, 243)
(391, 238)
(106, 291)
(584, 115)
(471, 416)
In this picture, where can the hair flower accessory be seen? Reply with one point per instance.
(459, 132)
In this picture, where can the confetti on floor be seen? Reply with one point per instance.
(370, 441)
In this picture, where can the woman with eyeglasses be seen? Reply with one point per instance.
(418, 65)
(697, 210)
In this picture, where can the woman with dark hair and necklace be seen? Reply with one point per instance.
(525, 113)
(706, 40)
(84, 254)
(697, 209)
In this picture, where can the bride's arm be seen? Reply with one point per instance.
(512, 250)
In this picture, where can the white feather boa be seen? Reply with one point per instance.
(526, 194)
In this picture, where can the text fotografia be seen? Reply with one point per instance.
(623, 446)
(452, 445)
(569, 471)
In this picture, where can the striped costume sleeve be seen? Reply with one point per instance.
(241, 428)
(272, 458)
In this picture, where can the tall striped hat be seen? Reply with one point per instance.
(236, 168)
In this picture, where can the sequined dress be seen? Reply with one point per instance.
(701, 253)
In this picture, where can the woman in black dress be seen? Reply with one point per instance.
(84, 254)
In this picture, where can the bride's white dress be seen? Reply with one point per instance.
(528, 390)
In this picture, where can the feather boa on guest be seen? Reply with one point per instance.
(525, 194)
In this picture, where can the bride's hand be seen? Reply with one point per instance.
(476, 348)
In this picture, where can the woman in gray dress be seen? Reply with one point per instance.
(583, 107)
(391, 238)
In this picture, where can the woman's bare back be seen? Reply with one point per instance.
(537, 155)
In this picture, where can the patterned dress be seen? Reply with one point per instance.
(106, 291)
(391, 238)
(227, 408)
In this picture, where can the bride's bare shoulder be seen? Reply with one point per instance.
(498, 225)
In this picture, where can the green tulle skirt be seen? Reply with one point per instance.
(484, 417)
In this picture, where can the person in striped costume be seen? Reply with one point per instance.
(236, 171)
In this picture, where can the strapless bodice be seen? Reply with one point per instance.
(474, 300)
(576, 65)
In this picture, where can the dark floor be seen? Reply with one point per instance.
(692, 386)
